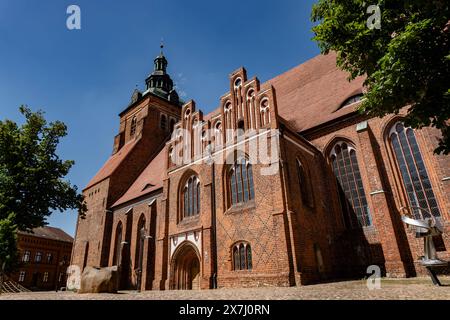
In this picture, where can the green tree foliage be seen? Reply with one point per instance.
(8, 243)
(406, 62)
(32, 183)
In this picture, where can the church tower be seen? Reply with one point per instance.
(159, 82)
(146, 124)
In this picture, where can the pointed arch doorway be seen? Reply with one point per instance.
(186, 268)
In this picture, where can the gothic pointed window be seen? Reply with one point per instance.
(191, 197)
(346, 168)
(229, 125)
(265, 112)
(139, 242)
(413, 172)
(240, 182)
(251, 108)
(218, 134)
(242, 256)
(133, 126)
(187, 113)
(117, 244)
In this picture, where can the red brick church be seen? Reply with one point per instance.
(324, 202)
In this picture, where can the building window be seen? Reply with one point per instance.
(139, 242)
(22, 276)
(413, 172)
(49, 257)
(251, 108)
(240, 127)
(265, 112)
(351, 100)
(229, 124)
(26, 256)
(45, 278)
(187, 113)
(305, 185)
(191, 197)
(133, 126)
(38, 257)
(346, 169)
(218, 134)
(242, 256)
(163, 122)
(118, 245)
(241, 182)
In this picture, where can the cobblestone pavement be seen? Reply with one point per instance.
(416, 288)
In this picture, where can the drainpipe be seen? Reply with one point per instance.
(214, 227)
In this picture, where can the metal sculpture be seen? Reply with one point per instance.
(427, 228)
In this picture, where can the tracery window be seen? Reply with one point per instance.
(346, 169)
(242, 256)
(241, 182)
(413, 172)
(191, 197)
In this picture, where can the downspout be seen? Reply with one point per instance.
(214, 227)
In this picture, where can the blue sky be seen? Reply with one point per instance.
(85, 77)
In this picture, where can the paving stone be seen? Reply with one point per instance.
(391, 289)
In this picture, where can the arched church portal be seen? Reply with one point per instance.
(186, 268)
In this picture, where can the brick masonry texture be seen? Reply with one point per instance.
(54, 247)
(297, 231)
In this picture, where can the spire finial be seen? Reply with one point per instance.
(162, 45)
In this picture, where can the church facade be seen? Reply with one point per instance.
(284, 184)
